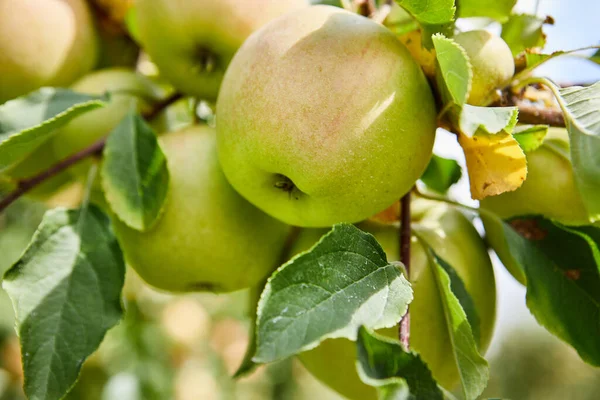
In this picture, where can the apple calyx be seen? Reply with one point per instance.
(208, 60)
(284, 183)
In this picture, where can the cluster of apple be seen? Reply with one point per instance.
(322, 116)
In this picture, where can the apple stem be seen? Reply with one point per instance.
(25, 185)
(366, 8)
(405, 233)
(160, 106)
(530, 113)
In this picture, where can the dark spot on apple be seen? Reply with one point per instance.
(207, 60)
(204, 287)
(284, 183)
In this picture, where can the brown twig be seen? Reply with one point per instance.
(25, 185)
(365, 8)
(530, 114)
(405, 233)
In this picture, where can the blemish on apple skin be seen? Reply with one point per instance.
(204, 286)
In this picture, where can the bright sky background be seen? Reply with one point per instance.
(576, 26)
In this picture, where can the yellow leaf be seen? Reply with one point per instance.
(425, 58)
(496, 163)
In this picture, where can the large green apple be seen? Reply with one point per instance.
(44, 43)
(125, 87)
(549, 190)
(324, 117)
(193, 41)
(209, 237)
(492, 62)
(453, 237)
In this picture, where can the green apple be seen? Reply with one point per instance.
(453, 237)
(126, 88)
(44, 43)
(549, 190)
(324, 117)
(192, 41)
(208, 237)
(492, 62)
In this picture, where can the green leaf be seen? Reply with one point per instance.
(434, 16)
(458, 288)
(525, 63)
(433, 12)
(494, 235)
(496, 9)
(472, 367)
(454, 73)
(385, 364)
(530, 137)
(490, 120)
(135, 176)
(65, 291)
(343, 282)
(563, 289)
(580, 106)
(523, 31)
(400, 21)
(441, 173)
(27, 122)
(562, 269)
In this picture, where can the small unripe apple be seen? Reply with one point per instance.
(492, 62)
(324, 117)
(452, 237)
(208, 237)
(193, 41)
(126, 88)
(44, 43)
